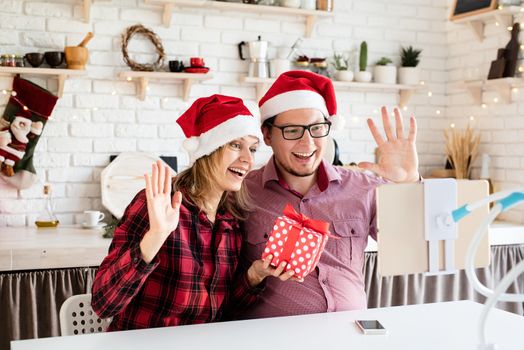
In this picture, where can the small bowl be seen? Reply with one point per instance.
(35, 59)
(54, 58)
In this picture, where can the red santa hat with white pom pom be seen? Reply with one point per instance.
(301, 89)
(213, 121)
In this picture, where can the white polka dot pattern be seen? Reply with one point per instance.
(306, 249)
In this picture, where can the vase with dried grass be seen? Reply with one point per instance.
(462, 150)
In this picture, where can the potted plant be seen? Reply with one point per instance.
(384, 72)
(363, 76)
(409, 73)
(342, 66)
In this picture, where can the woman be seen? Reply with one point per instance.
(173, 258)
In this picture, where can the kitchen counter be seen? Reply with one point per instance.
(30, 248)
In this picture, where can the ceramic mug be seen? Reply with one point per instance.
(92, 217)
(176, 66)
(196, 62)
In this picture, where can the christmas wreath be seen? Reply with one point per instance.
(155, 39)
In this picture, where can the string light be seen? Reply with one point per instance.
(430, 94)
(129, 78)
(496, 99)
(509, 29)
(452, 125)
(497, 24)
(165, 99)
(147, 88)
(472, 118)
(25, 108)
(437, 111)
(405, 108)
(375, 111)
(355, 119)
(483, 105)
(515, 90)
(4, 92)
(422, 82)
(113, 92)
(13, 93)
(95, 109)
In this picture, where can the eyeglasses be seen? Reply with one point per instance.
(295, 132)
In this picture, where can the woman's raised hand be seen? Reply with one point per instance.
(162, 209)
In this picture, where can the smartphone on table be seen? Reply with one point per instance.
(371, 327)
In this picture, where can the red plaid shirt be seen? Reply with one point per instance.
(189, 281)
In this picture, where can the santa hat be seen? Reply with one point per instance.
(300, 89)
(213, 121)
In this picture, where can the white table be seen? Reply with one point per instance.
(451, 325)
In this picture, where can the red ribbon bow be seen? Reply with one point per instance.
(316, 225)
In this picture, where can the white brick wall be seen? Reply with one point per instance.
(501, 124)
(99, 114)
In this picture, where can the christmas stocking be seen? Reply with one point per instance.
(24, 118)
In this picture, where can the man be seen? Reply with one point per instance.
(296, 115)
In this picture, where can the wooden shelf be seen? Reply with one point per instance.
(142, 80)
(502, 85)
(86, 8)
(61, 74)
(502, 16)
(406, 91)
(310, 15)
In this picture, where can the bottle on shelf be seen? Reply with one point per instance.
(47, 217)
(484, 171)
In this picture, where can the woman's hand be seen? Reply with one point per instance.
(260, 269)
(163, 211)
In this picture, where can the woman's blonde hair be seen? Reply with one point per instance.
(201, 179)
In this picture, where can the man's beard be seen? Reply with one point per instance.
(294, 173)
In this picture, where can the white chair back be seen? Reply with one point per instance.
(77, 316)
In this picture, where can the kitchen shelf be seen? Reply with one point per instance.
(502, 85)
(310, 15)
(142, 80)
(86, 9)
(406, 91)
(61, 74)
(502, 16)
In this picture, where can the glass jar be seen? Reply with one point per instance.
(19, 61)
(47, 217)
(325, 5)
(9, 61)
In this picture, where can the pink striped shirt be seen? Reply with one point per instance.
(348, 204)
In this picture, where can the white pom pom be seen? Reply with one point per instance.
(337, 122)
(191, 144)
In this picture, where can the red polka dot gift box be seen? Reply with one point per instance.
(298, 240)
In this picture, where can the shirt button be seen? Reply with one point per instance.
(135, 260)
(352, 231)
(265, 235)
(324, 281)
